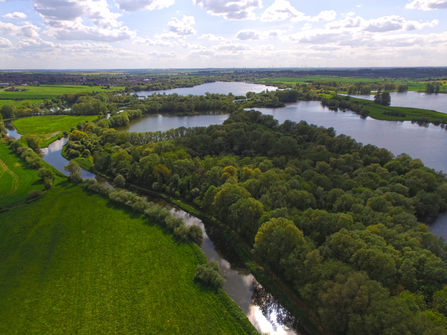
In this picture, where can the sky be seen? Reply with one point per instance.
(130, 34)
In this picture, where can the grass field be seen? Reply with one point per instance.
(16, 179)
(51, 91)
(88, 267)
(50, 127)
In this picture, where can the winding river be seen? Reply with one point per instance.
(263, 310)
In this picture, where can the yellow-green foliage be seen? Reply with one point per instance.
(73, 263)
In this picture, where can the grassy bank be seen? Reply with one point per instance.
(51, 91)
(89, 267)
(50, 127)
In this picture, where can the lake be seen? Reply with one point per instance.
(237, 88)
(436, 102)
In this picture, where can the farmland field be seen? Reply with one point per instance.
(52, 91)
(88, 267)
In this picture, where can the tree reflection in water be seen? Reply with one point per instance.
(272, 309)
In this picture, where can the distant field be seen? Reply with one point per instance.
(317, 78)
(49, 126)
(51, 91)
(73, 263)
(412, 86)
(16, 179)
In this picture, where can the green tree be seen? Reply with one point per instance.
(74, 169)
(275, 241)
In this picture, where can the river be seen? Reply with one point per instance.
(262, 309)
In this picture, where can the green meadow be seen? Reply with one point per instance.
(16, 178)
(49, 127)
(51, 91)
(74, 263)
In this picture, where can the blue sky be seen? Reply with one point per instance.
(107, 34)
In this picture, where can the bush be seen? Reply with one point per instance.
(195, 234)
(210, 275)
(119, 181)
(182, 232)
(34, 194)
(173, 223)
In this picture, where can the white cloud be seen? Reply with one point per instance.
(232, 47)
(326, 15)
(5, 43)
(251, 34)
(231, 9)
(64, 20)
(248, 35)
(149, 42)
(427, 4)
(15, 15)
(282, 10)
(394, 22)
(25, 31)
(380, 25)
(135, 5)
(81, 32)
(213, 37)
(182, 27)
(178, 29)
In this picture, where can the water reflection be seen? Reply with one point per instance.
(439, 226)
(53, 156)
(158, 122)
(280, 320)
(11, 131)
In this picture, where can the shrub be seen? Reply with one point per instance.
(119, 181)
(173, 222)
(34, 194)
(182, 232)
(195, 233)
(210, 275)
